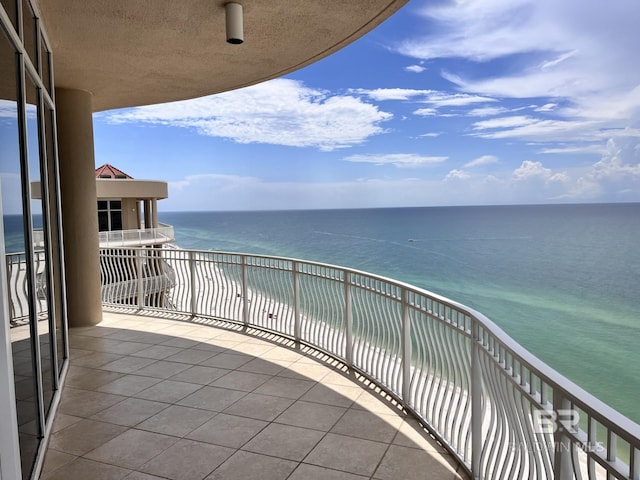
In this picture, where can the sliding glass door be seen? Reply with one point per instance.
(34, 318)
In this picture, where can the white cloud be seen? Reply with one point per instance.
(487, 111)
(226, 192)
(8, 109)
(480, 161)
(434, 97)
(279, 112)
(548, 107)
(220, 182)
(575, 149)
(620, 162)
(558, 60)
(615, 177)
(574, 53)
(456, 174)
(529, 169)
(505, 122)
(239, 193)
(431, 134)
(397, 159)
(524, 85)
(476, 30)
(531, 128)
(443, 99)
(382, 94)
(426, 112)
(613, 106)
(415, 68)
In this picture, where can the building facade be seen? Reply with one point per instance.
(128, 209)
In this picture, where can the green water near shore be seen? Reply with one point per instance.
(562, 280)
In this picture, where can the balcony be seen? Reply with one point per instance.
(188, 400)
(495, 410)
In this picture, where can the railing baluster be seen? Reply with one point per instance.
(476, 401)
(562, 467)
(245, 300)
(139, 273)
(296, 302)
(348, 320)
(406, 347)
(192, 283)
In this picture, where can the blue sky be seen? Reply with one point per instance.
(447, 103)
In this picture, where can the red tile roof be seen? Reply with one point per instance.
(109, 171)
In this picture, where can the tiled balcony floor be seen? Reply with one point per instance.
(154, 398)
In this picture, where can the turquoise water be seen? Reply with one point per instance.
(563, 280)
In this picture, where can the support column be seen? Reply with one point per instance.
(154, 212)
(79, 209)
(139, 214)
(147, 213)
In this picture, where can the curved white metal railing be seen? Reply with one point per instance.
(124, 238)
(501, 411)
(139, 237)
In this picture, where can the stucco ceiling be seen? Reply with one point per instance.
(135, 52)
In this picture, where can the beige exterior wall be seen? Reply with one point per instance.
(130, 214)
(131, 192)
(129, 188)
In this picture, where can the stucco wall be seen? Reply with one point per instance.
(116, 188)
(129, 214)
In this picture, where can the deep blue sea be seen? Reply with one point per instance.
(562, 280)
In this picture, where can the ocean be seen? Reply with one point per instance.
(562, 280)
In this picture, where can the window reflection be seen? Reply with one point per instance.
(14, 220)
(57, 257)
(40, 243)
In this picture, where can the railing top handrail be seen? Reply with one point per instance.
(159, 228)
(164, 232)
(583, 399)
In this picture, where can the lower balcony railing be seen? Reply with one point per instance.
(143, 236)
(498, 409)
(121, 238)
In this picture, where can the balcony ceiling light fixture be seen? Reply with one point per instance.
(233, 16)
